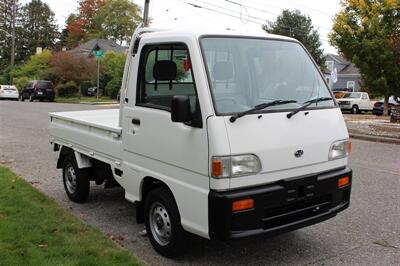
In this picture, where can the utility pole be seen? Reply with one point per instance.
(98, 78)
(14, 11)
(146, 13)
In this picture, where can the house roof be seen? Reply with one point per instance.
(87, 48)
(348, 67)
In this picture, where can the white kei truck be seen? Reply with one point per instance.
(220, 134)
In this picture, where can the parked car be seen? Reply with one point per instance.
(378, 106)
(356, 102)
(218, 156)
(38, 90)
(9, 92)
(92, 91)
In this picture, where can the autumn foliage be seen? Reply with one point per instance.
(70, 67)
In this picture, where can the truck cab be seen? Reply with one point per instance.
(221, 134)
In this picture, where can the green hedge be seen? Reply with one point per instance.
(68, 89)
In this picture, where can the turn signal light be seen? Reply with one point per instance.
(217, 168)
(241, 205)
(344, 181)
(350, 147)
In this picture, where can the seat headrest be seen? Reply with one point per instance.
(164, 70)
(223, 71)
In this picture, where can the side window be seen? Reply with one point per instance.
(157, 91)
(351, 85)
(330, 65)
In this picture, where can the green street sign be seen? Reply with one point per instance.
(99, 54)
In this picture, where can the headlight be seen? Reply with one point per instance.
(340, 149)
(235, 166)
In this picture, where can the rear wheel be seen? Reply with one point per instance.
(76, 181)
(355, 110)
(163, 223)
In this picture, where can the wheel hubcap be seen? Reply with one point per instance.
(160, 224)
(70, 178)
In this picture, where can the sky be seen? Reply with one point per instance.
(245, 15)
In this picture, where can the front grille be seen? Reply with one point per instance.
(297, 211)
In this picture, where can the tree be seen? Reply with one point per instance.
(113, 71)
(38, 27)
(118, 19)
(74, 33)
(6, 21)
(69, 67)
(367, 33)
(87, 12)
(37, 67)
(298, 26)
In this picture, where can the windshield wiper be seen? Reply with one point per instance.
(308, 103)
(260, 107)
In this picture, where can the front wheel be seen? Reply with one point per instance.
(163, 223)
(76, 181)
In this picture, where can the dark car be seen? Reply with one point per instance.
(38, 90)
(378, 106)
(92, 91)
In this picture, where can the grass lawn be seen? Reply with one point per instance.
(83, 99)
(34, 230)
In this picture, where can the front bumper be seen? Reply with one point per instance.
(280, 207)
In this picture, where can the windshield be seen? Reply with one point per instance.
(245, 72)
(352, 95)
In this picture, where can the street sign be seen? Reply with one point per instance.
(99, 53)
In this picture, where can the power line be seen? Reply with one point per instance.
(236, 16)
(220, 12)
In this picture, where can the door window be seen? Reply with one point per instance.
(159, 93)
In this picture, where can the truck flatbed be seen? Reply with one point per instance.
(102, 119)
(95, 133)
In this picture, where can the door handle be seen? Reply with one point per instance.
(136, 121)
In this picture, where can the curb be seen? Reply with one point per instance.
(375, 138)
(98, 103)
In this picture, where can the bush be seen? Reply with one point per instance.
(68, 89)
(113, 87)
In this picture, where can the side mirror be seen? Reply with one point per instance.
(180, 109)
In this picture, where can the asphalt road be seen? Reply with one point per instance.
(368, 233)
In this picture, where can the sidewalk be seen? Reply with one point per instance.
(371, 127)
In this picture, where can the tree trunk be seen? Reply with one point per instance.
(386, 106)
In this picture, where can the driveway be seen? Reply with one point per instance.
(368, 233)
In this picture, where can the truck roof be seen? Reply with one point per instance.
(198, 32)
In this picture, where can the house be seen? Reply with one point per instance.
(348, 76)
(105, 45)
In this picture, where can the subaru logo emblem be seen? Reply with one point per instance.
(299, 153)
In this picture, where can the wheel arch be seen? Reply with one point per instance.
(64, 152)
(147, 184)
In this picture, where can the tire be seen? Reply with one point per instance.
(162, 212)
(31, 98)
(355, 110)
(21, 98)
(75, 180)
